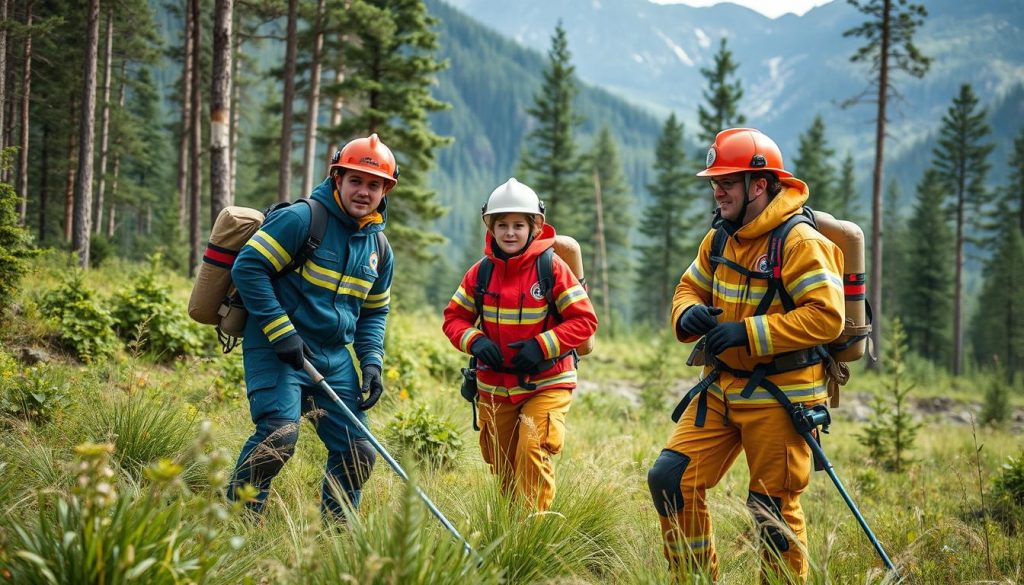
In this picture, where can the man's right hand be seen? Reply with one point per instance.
(292, 350)
(487, 352)
(699, 319)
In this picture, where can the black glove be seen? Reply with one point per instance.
(699, 319)
(528, 356)
(487, 352)
(726, 335)
(292, 350)
(371, 385)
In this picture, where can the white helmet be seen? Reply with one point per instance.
(513, 197)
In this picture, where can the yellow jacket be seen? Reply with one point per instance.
(811, 273)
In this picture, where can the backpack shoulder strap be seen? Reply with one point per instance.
(717, 248)
(546, 278)
(483, 279)
(776, 246)
(383, 247)
(314, 237)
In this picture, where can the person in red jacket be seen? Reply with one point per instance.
(525, 368)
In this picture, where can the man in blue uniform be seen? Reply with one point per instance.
(339, 296)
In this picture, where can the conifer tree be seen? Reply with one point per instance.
(889, 48)
(549, 161)
(998, 326)
(895, 252)
(962, 159)
(925, 280)
(393, 67)
(607, 252)
(722, 96)
(846, 192)
(813, 165)
(1014, 194)
(670, 225)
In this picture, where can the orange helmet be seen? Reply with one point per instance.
(743, 150)
(369, 155)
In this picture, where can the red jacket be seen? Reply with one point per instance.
(517, 311)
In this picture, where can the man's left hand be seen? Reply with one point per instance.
(726, 335)
(528, 356)
(372, 385)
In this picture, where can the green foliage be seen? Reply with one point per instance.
(83, 325)
(891, 431)
(144, 312)
(229, 383)
(425, 437)
(899, 20)
(101, 535)
(38, 394)
(1009, 484)
(846, 191)
(549, 160)
(670, 225)
(923, 279)
(997, 328)
(616, 218)
(657, 379)
(723, 98)
(813, 164)
(398, 546)
(144, 430)
(996, 408)
(15, 241)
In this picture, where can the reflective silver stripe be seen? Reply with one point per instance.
(698, 276)
(320, 276)
(271, 247)
(570, 296)
(734, 394)
(803, 285)
(462, 299)
(763, 339)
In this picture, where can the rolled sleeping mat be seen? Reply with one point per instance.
(232, 229)
(568, 249)
(852, 343)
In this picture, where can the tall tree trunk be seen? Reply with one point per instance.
(111, 221)
(195, 144)
(958, 332)
(313, 103)
(337, 101)
(186, 120)
(44, 180)
(236, 98)
(11, 82)
(876, 190)
(26, 91)
(602, 252)
(105, 124)
(83, 178)
(69, 183)
(284, 177)
(4, 4)
(220, 109)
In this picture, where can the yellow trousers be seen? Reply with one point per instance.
(696, 458)
(518, 440)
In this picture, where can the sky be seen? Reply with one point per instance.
(769, 8)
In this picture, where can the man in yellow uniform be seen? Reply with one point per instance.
(764, 316)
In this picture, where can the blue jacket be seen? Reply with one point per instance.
(340, 295)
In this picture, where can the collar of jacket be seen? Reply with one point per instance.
(786, 203)
(542, 242)
(325, 193)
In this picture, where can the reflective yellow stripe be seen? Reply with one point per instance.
(812, 280)
(281, 331)
(795, 392)
(266, 254)
(468, 337)
(698, 276)
(377, 301)
(356, 287)
(524, 316)
(551, 345)
(571, 295)
(762, 336)
(463, 300)
(270, 326)
(560, 379)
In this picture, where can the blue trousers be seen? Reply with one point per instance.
(278, 397)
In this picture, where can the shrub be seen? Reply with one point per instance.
(996, 407)
(84, 327)
(98, 535)
(144, 312)
(36, 395)
(1009, 484)
(15, 241)
(425, 437)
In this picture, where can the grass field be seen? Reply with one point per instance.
(138, 500)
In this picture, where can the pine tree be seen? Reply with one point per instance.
(549, 161)
(925, 280)
(846, 193)
(962, 159)
(722, 96)
(1014, 194)
(392, 68)
(670, 225)
(997, 330)
(889, 34)
(607, 253)
(894, 255)
(813, 165)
